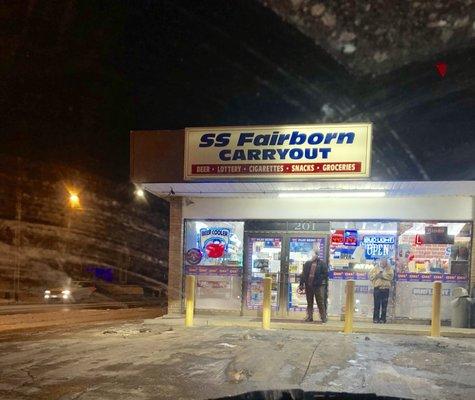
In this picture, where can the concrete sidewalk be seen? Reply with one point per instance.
(159, 361)
(330, 326)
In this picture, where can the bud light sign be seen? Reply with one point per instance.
(214, 241)
(379, 246)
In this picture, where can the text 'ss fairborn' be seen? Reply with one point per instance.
(290, 151)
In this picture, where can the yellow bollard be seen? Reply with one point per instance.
(349, 307)
(435, 325)
(266, 306)
(189, 299)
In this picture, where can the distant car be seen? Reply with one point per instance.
(74, 292)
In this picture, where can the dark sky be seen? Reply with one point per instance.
(82, 74)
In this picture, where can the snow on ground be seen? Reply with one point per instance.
(141, 361)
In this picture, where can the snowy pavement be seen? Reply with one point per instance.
(145, 361)
(67, 317)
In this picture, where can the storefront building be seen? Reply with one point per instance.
(250, 202)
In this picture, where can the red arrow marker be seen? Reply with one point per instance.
(441, 68)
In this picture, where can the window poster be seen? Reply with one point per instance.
(214, 243)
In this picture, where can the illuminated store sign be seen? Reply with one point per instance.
(350, 237)
(337, 237)
(291, 151)
(379, 246)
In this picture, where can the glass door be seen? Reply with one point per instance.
(263, 260)
(301, 248)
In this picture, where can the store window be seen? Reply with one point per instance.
(355, 247)
(213, 251)
(429, 252)
(434, 248)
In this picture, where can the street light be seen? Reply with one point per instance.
(140, 193)
(74, 200)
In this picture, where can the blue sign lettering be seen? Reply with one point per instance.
(379, 246)
(304, 145)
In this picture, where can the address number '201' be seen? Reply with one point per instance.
(305, 226)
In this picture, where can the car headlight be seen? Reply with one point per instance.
(46, 296)
(66, 292)
(65, 296)
(47, 291)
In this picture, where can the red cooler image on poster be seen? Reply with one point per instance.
(215, 249)
(214, 241)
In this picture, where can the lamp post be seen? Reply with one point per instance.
(18, 242)
(74, 203)
(18, 231)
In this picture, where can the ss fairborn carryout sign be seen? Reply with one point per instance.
(278, 152)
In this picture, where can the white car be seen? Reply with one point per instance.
(76, 291)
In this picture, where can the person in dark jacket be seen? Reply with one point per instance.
(314, 280)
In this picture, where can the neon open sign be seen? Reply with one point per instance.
(379, 246)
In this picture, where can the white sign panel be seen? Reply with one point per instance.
(278, 152)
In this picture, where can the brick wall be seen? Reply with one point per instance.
(472, 253)
(175, 256)
(472, 271)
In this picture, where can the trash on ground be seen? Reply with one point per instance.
(125, 332)
(239, 376)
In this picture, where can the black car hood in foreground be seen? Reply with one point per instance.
(298, 394)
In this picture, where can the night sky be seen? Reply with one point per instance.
(85, 73)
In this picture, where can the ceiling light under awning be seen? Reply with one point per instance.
(331, 194)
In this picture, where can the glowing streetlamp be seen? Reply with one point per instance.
(74, 200)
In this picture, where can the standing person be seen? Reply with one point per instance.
(314, 279)
(381, 277)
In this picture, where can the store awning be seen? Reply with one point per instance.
(274, 189)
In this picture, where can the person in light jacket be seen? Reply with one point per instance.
(381, 277)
